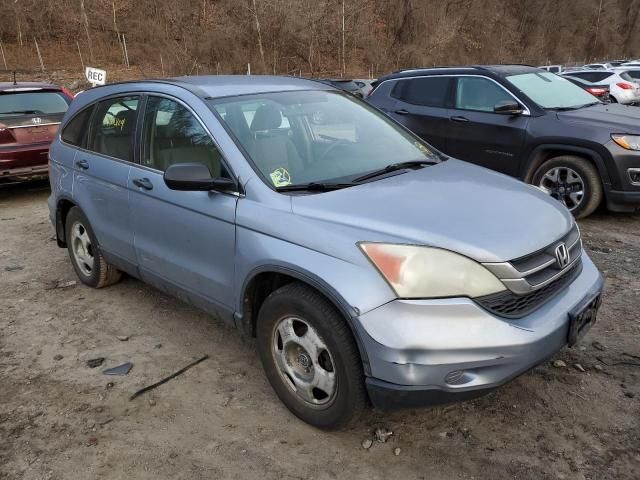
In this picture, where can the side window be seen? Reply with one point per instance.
(425, 91)
(113, 127)
(173, 135)
(480, 94)
(75, 132)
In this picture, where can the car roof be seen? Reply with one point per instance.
(26, 86)
(218, 86)
(500, 70)
(593, 70)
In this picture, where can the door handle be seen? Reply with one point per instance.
(401, 112)
(83, 164)
(143, 183)
(459, 119)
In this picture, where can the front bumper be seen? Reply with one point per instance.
(425, 352)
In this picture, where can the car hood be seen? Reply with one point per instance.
(453, 205)
(615, 117)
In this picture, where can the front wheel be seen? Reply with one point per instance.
(310, 357)
(573, 181)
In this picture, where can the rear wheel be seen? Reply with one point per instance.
(310, 357)
(573, 181)
(87, 259)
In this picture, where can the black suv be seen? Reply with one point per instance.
(525, 122)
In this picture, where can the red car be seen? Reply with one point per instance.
(29, 117)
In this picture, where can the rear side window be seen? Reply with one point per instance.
(634, 74)
(32, 103)
(113, 128)
(481, 94)
(75, 132)
(425, 91)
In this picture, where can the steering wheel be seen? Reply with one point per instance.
(338, 143)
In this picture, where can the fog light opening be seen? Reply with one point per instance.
(455, 378)
(634, 175)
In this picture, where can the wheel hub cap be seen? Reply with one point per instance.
(304, 361)
(82, 249)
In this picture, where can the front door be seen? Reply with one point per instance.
(477, 134)
(184, 241)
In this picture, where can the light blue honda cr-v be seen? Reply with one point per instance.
(370, 267)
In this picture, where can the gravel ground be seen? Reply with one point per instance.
(60, 419)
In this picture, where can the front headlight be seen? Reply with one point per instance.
(628, 142)
(426, 272)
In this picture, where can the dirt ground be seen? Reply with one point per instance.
(60, 419)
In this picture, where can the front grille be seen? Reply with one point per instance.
(534, 279)
(508, 304)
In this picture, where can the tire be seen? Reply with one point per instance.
(311, 317)
(87, 259)
(612, 99)
(572, 171)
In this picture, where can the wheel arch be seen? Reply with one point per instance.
(542, 153)
(63, 205)
(265, 279)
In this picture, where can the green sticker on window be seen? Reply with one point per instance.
(280, 177)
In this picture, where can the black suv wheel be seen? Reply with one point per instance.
(573, 181)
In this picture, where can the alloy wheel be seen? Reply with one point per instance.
(563, 184)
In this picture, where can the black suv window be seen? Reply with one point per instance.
(594, 77)
(481, 94)
(75, 132)
(426, 91)
(113, 127)
(173, 135)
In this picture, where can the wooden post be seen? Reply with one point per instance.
(126, 54)
(39, 55)
(248, 69)
(80, 54)
(344, 61)
(4, 59)
(161, 65)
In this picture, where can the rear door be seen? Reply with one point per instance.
(421, 106)
(100, 174)
(477, 134)
(182, 239)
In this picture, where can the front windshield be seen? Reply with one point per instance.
(551, 91)
(300, 137)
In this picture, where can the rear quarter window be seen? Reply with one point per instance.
(75, 131)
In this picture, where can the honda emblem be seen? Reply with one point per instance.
(562, 255)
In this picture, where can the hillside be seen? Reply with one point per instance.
(310, 37)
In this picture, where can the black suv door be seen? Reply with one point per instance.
(421, 106)
(477, 134)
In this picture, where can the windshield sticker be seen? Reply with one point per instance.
(280, 177)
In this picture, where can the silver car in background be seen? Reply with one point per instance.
(370, 267)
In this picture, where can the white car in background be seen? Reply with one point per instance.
(623, 87)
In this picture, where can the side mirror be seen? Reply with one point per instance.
(195, 177)
(508, 107)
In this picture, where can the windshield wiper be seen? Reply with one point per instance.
(20, 112)
(314, 187)
(394, 167)
(576, 107)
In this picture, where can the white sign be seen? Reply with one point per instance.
(95, 76)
